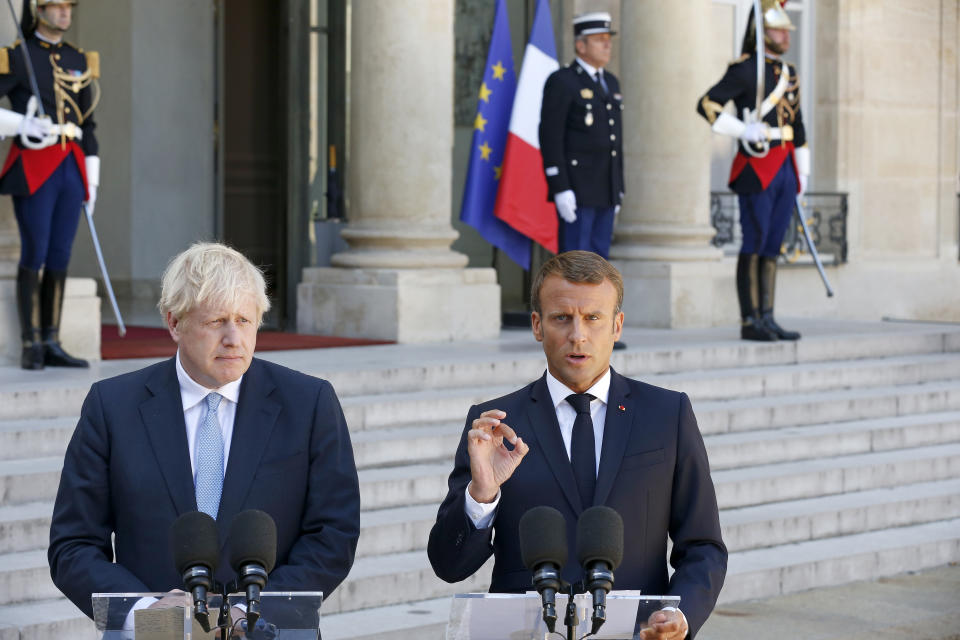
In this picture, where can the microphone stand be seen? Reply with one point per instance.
(571, 618)
(223, 622)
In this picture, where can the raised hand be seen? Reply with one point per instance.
(491, 462)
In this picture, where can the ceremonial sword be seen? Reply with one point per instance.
(813, 249)
(35, 89)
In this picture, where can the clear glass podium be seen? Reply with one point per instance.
(505, 616)
(285, 616)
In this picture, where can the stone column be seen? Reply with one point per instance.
(399, 279)
(662, 237)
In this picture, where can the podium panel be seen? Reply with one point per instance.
(169, 616)
(506, 616)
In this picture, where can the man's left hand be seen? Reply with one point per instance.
(665, 625)
(92, 190)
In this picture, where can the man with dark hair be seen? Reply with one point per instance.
(584, 435)
(49, 172)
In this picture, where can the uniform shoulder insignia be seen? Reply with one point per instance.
(93, 63)
(742, 58)
(4, 61)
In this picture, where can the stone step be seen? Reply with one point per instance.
(395, 530)
(773, 483)
(778, 380)
(396, 578)
(423, 620)
(25, 576)
(29, 480)
(831, 561)
(406, 444)
(516, 358)
(745, 414)
(791, 521)
(45, 620)
(35, 438)
(25, 527)
(786, 444)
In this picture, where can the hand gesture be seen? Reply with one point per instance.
(491, 463)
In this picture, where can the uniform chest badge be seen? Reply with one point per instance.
(617, 97)
(586, 94)
(588, 119)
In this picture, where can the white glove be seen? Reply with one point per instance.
(566, 205)
(15, 124)
(93, 181)
(616, 209)
(802, 156)
(37, 128)
(755, 133)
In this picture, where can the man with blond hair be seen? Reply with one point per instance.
(212, 429)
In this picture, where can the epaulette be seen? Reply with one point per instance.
(93, 63)
(4, 61)
(742, 58)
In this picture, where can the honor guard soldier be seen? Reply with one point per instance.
(52, 168)
(580, 138)
(771, 166)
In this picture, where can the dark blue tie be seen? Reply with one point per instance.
(583, 454)
(601, 81)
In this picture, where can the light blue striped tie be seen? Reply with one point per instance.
(210, 459)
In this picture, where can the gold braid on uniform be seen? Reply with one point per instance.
(65, 83)
(790, 102)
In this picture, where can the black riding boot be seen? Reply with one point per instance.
(51, 305)
(768, 282)
(752, 326)
(28, 305)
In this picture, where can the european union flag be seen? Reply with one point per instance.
(490, 129)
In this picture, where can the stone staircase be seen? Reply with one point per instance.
(835, 459)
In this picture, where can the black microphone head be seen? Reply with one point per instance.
(600, 537)
(543, 537)
(194, 541)
(253, 540)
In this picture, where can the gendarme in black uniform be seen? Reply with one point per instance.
(581, 141)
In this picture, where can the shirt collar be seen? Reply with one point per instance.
(559, 391)
(192, 392)
(43, 38)
(588, 68)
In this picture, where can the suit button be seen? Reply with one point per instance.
(66, 109)
(613, 137)
(574, 162)
(614, 152)
(609, 106)
(611, 122)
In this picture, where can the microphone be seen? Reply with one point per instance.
(253, 553)
(195, 546)
(543, 548)
(599, 550)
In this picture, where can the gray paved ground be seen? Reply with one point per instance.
(916, 606)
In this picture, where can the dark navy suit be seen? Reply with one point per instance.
(127, 472)
(653, 472)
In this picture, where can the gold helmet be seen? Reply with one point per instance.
(774, 15)
(34, 6)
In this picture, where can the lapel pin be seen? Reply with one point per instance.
(622, 408)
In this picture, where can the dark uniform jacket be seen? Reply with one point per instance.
(653, 471)
(739, 83)
(25, 170)
(581, 136)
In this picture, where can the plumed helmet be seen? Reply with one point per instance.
(31, 15)
(774, 15)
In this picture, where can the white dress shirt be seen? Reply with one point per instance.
(192, 393)
(482, 514)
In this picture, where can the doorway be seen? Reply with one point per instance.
(253, 113)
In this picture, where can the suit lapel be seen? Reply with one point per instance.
(254, 422)
(616, 431)
(162, 416)
(543, 420)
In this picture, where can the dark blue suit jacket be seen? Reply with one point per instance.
(653, 471)
(127, 473)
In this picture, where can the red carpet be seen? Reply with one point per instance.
(148, 342)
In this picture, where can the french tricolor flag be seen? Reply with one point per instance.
(522, 199)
